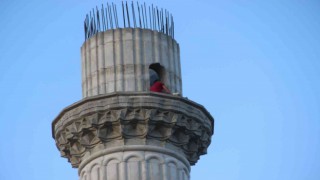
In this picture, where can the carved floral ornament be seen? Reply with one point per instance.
(100, 128)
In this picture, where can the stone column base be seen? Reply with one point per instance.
(135, 162)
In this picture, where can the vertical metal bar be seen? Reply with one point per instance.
(94, 21)
(160, 16)
(133, 15)
(169, 23)
(161, 19)
(124, 17)
(98, 19)
(115, 15)
(144, 25)
(107, 17)
(172, 28)
(139, 14)
(158, 19)
(152, 15)
(168, 16)
(166, 22)
(154, 19)
(145, 14)
(89, 28)
(110, 16)
(86, 26)
(128, 14)
(150, 18)
(103, 19)
(85, 30)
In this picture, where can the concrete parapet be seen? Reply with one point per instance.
(118, 60)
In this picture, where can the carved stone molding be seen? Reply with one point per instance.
(135, 162)
(118, 119)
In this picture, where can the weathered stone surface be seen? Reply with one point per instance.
(119, 60)
(118, 119)
(120, 130)
(141, 162)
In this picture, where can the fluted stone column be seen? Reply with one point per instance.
(135, 162)
(119, 60)
(122, 131)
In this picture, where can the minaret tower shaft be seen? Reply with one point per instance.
(120, 130)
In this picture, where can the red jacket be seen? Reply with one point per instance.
(157, 87)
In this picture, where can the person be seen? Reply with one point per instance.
(158, 86)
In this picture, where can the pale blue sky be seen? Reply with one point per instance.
(255, 66)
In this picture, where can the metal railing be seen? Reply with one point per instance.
(134, 15)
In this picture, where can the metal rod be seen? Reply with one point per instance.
(133, 15)
(143, 20)
(161, 17)
(103, 18)
(158, 19)
(110, 16)
(153, 18)
(94, 21)
(107, 17)
(98, 19)
(115, 15)
(139, 14)
(149, 17)
(124, 17)
(128, 14)
(145, 14)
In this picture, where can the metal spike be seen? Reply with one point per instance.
(153, 18)
(167, 22)
(110, 16)
(115, 15)
(124, 17)
(133, 15)
(98, 19)
(150, 18)
(143, 20)
(161, 19)
(145, 14)
(158, 20)
(139, 14)
(128, 14)
(103, 19)
(107, 17)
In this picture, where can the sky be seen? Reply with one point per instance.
(254, 65)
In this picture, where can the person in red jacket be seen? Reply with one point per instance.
(158, 86)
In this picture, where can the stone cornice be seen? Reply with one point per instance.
(161, 95)
(153, 119)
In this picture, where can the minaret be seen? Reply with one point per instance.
(120, 130)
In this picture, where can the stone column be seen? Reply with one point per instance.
(135, 162)
(122, 131)
(133, 136)
(118, 60)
